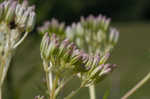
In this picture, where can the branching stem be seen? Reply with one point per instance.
(21, 40)
(72, 93)
(137, 86)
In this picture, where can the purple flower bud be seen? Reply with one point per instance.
(114, 65)
(25, 3)
(107, 71)
(107, 66)
(97, 70)
(96, 60)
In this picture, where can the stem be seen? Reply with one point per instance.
(21, 40)
(62, 85)
(55, 83)
(47, 82)
(0, 92)
(72, 93)
(92, 92)
(50, 80)
(137, 86)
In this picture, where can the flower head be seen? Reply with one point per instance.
(93, 34)
(66, 59)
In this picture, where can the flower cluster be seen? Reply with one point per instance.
(94, 32)
(52, 26)
(85, 58)
(65, 59)
(16, 21)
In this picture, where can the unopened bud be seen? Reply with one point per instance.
(104, 58)
(1, 10)
(114, 35)
(96, 71)
(63, 46)
(31, 22)
(11, 12)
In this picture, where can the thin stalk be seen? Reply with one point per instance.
(92, 92)
(47, 82)
(55, 83)
(72, 93)
(0, 92)
(50, 80)
(62, 85)
(21, 40)
(137, 86)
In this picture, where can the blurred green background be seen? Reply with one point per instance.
(132, 53)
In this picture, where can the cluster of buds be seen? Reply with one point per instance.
(65, 59)
(16, 21)
(52, 26)
(97, 72)
(94, 32)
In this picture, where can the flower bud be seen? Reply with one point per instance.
(11, 12)
(19, 13)
(75, 57)
(44, 45)
(96, 60)
(6, 6)
(114, 35)
(1, 10)
(96, 71)
(63, 46)
(31, 22)
(25, 3)
(104, 58)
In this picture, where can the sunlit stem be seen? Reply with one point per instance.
(55, 83)
(50, 80)
(92, 92)
(137, 86)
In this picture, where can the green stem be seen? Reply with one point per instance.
(92, 92)
(137, 86)
(0, 92)
(72, 93)
(47, 82)
(62, 85)
(55, 83)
